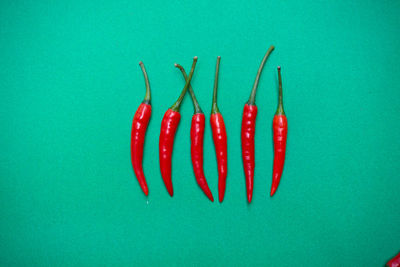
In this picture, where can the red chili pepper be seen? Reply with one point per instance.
(220, 139)
(280, 128)
(395, 262)
(139, 126)
(196, 137)
(169, 125)
(248, 131)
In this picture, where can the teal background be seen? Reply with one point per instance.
(69, 86)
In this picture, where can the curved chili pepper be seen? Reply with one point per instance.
(280, 128)
(248, 131)
(220, 139)
(139, 126)
(169, 125)
(196, 137)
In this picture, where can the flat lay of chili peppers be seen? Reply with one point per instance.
(248, 131)
(169, 125)
(280, 129)
(170, 122)
(196, 138)
(219, 137)
(139, 126)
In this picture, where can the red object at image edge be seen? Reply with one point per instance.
(395, 262)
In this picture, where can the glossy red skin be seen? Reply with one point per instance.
(247, 134)
(169, 125)
(395, 262)
(220, 142)
(196, 149)
(280, 128)
(139, 127)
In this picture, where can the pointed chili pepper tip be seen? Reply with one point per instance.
(170, 191)
(273, 190)
(249, 197)
(210, 196)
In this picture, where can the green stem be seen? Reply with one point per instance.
(279, 110)
(177, 104)
(214, 108)
(252, 98)
(147, 97)
(196, 105)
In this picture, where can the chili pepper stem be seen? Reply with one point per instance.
(280, 110)
(147, 97)
(177, 104)
(196, 105)
(252, 98)
(214, 108)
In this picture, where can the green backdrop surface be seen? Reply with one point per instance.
(69, 86)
